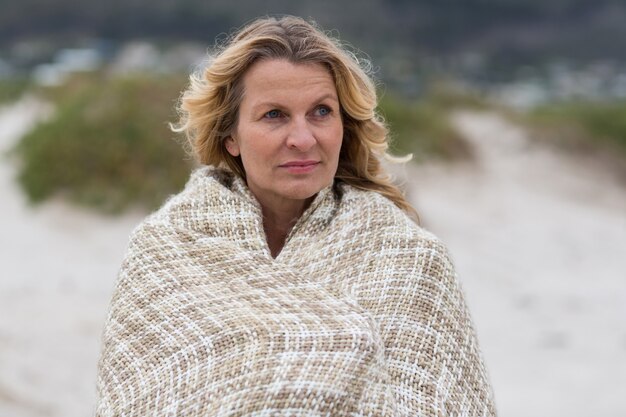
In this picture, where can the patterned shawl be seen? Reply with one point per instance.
(361, 313)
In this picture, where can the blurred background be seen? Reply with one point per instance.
(514, 110)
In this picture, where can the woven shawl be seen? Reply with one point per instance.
(360, 314)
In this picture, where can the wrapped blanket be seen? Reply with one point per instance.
(360, 314)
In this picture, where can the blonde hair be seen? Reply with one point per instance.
(209, 107)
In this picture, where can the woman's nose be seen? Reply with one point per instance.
(300, 135)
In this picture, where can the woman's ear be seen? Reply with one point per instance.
(232, 146)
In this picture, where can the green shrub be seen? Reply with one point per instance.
(11, 89)
(422, 128)
(447, 95)
(602, 123)
(108, 144)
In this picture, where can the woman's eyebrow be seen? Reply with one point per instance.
(332, 97)
(266, 104)
(274, 104)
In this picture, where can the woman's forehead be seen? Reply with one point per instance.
(272, 80)
(279, 71)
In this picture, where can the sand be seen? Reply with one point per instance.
(539, 241)
(538, 238)
(58, 268)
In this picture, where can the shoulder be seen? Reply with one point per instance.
(214, 205)
(378, 212)
(209, 196)
(380, 224)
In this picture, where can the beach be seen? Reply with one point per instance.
(538, 238)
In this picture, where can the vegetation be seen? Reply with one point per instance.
(577, 122)
(11, 89)
(422, 127)
(108, 144)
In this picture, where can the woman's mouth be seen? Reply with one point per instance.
(300, 167)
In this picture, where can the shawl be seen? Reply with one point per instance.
(360, 314)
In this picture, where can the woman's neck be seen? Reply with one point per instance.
(279, 219)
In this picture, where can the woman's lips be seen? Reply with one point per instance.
(300, 167)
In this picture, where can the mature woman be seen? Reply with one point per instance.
(289, 277)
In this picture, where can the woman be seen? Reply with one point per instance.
(289, 277)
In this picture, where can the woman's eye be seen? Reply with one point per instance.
(273, 114)
(323, 111)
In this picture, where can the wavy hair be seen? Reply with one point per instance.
(209, 107)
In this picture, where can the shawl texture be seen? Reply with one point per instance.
(361, 313)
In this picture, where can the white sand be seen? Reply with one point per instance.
(58, 268)
(539, 241)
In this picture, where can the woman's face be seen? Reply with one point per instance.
(289, 130)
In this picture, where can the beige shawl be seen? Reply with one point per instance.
(361, 314)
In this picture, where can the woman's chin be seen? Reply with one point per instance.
(303, 191)
(289, 188)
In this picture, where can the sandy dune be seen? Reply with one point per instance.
(538, 239)
(58, 266)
